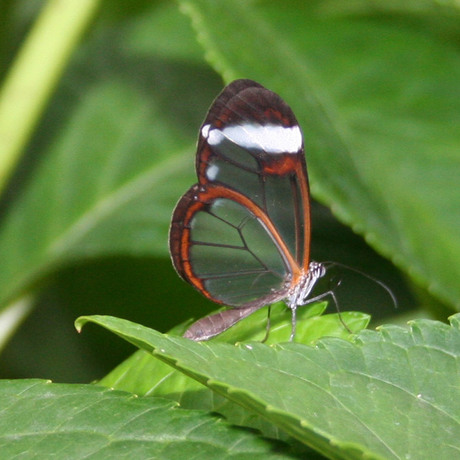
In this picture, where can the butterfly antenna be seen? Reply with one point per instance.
(375, 280)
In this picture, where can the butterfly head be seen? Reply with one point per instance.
(300, 293)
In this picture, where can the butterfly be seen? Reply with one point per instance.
(241, 235)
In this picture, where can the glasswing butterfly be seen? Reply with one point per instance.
(241, 235)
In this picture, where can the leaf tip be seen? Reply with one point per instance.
(80, 322)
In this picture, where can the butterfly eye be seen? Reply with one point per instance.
(241, 235)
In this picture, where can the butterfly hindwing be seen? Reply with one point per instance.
(224, 249)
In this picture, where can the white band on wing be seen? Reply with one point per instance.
(268, 138)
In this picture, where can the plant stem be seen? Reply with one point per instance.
(35, 73)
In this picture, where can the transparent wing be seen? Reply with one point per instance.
(241, 235)
(251, 142)
(228, 248)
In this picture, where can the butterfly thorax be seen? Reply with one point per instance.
(301, 290)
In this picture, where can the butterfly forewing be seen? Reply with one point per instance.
(241, 235)
(251, 141)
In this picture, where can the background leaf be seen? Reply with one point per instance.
(386, 396)
(86, 421)
(106, 184)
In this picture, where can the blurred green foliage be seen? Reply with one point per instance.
(85, 216)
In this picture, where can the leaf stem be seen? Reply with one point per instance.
(35, 73)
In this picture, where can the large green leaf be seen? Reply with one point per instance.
(44, 420)
(145, 376)
(390, 395)
(378, 99)
(142, 374)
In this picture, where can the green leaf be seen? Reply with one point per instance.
(378, 99)
(142, 374)
(387, 396)
(45, 420)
